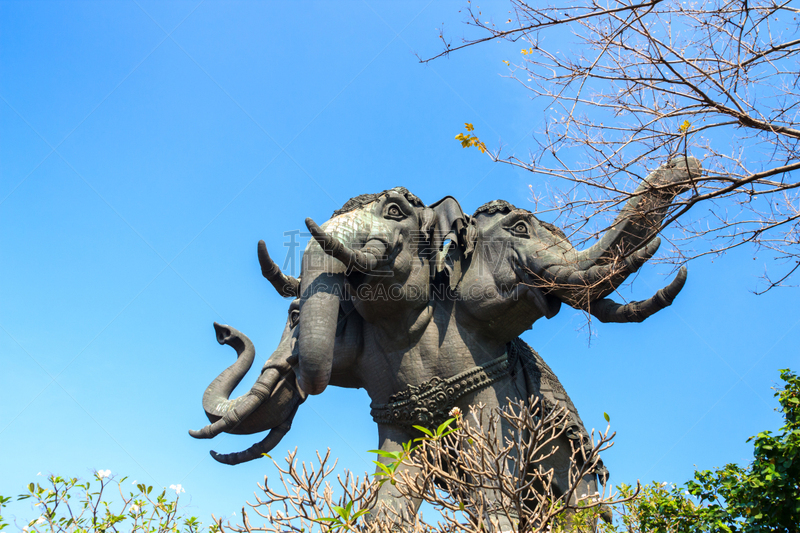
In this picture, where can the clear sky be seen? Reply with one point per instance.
(146, 147)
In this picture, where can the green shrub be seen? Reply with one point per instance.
(69, 505)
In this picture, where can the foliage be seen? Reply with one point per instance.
(764, 497)
(446, 465)
(3, 502)
(628, 85)
(467, 139)
(70, 505)
(475, 479)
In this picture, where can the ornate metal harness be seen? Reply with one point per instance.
(431, 402)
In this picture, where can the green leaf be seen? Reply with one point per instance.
(424, 430)
(384, 453)
(608, 418)
(444, 426)
(384, 468)
(446, 433)
(408, 448)
(341, 511)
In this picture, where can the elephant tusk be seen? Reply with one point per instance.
(354, 260)
(285, 285)
(257, 450)
(606, 310)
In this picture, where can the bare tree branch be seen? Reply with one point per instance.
(473, 476)
(643, 82)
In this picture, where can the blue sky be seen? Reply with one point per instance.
(145, 148)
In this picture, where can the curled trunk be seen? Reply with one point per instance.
(641, 218)
(592, 274)
(216, 400)
(250, 412)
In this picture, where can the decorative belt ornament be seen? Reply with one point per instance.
(431, 402)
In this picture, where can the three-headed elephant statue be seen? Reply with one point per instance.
(412, 302)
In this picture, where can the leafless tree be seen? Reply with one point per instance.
(643, 81)
(475, 479)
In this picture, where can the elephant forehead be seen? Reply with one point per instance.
(495, 241)
(351, 228)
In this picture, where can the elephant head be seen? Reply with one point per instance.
(375, 253)
(518, 268)
(272, 402)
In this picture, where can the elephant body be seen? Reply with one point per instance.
(395, 296)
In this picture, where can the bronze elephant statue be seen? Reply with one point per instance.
(395, 296)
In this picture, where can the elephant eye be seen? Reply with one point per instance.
(294, 316)
(520, 229)
(394, 212)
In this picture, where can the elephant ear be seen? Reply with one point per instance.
(450, 223)
(448, 238)
(471, 237)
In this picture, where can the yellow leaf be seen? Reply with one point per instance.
(469, 126)
(507, 63)
(685, 126)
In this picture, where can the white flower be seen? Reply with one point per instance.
(24, 528)
(41, 520)
(455, 412)
(39, 474)
(134, 508)
(133, 482)
(664, 484)
(687, 493)
(103, 473)
(177, 488)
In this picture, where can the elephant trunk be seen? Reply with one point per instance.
(234, 416)
(641, 218)
(594, 273)
(216, 397)
(319, 316)
(237, 419)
